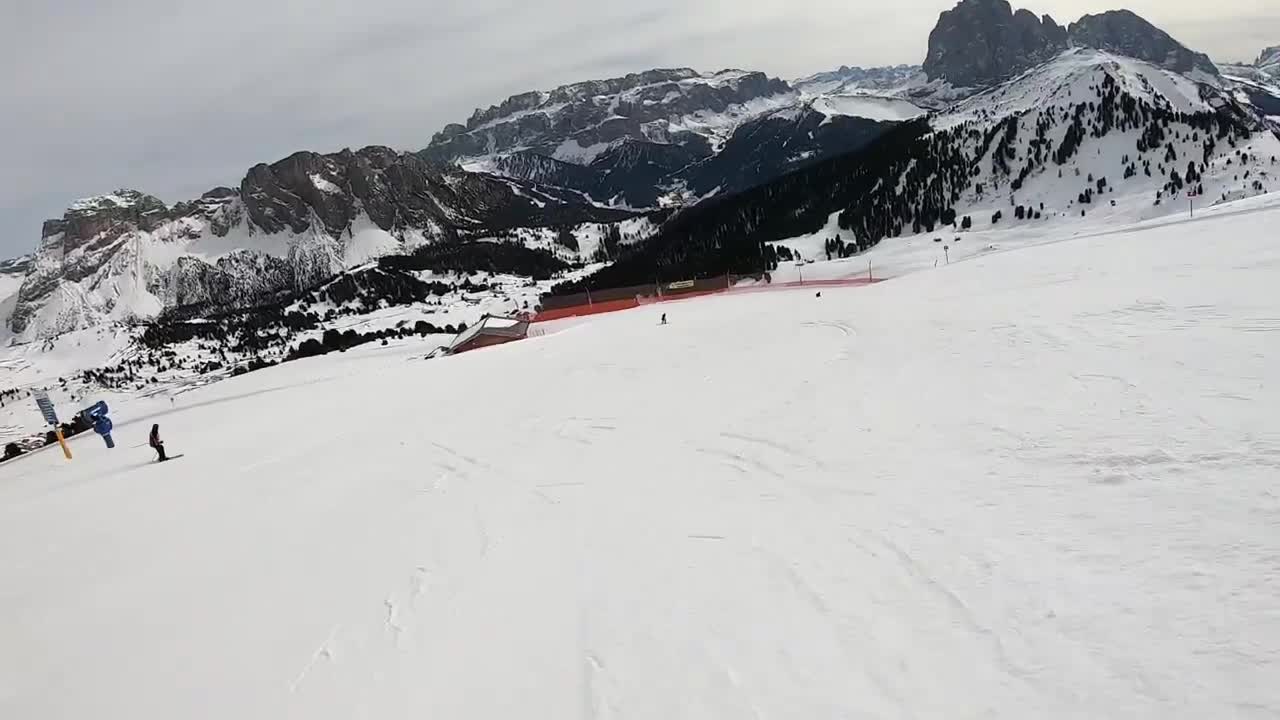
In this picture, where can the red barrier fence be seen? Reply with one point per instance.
(591, 309)
(615, 299)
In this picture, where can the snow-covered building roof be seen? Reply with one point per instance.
(491, 330)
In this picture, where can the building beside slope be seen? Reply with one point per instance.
(491, 330)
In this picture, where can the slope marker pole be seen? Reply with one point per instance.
(62, 441)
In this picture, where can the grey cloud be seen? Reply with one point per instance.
(175, 97)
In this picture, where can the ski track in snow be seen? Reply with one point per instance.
(1030, 484)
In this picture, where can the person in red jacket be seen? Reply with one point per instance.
(156, 443)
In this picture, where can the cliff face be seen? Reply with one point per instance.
(982, 42)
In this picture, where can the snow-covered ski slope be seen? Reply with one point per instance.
(1030, 484)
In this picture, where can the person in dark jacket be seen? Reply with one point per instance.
(156, 443)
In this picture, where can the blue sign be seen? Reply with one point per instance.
(46, 407)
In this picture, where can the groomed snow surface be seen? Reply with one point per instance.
(1030, 484)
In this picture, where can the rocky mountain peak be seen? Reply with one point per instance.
(88, 235)
(982, 42)
(1125, 33)
(103, 218)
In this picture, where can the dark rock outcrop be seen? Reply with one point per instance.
(1125, 33)
(102, 219)
(982, 42)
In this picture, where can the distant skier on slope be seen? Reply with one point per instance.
(156, 443)
(664, 319)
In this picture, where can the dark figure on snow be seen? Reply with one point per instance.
(664, 319)
(156, 443)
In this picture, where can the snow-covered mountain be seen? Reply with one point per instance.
(579, 122)
(1085, 132)
(580, 154)
(667, 136)
(290, 225)
(676, 136)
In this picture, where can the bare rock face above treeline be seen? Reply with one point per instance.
(983, 42)
(980, 42)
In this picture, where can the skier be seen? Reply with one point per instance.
(664, 319)
(156, 443)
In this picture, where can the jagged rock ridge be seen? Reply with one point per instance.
(290, 225)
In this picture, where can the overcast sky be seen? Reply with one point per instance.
(173, 97)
